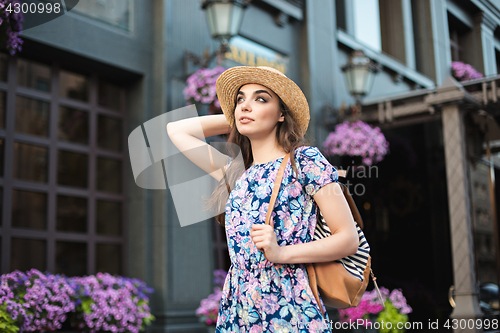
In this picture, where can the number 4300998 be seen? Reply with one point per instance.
(471, 324)
(33, 8)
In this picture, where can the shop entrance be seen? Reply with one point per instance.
(403, 200)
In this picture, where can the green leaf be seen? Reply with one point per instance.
(86, 306)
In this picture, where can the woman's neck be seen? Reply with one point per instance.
(265, 151)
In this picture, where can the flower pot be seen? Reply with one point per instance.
(211, 329)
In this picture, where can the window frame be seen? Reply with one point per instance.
(51, 188)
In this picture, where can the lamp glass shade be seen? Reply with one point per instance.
(224, 18)
(370, 77)
(359, 78)
(236, 19)
(349, 80)
(211, 20)
(359, 74)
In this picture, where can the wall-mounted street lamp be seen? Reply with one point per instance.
(224, 19)
(359, 74)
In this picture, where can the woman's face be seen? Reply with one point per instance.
(257, 111)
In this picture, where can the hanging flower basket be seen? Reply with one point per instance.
(464, 72)
(201, 88)
(10, 26)
(358, 141)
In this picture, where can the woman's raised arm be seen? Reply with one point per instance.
(187, 137)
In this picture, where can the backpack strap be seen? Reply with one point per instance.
(352, 205)
(349, 199)
(277, 184)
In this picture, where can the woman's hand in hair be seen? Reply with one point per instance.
(265, 240)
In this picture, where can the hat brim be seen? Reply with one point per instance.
(231, 80)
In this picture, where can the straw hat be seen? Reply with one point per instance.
(231, 80)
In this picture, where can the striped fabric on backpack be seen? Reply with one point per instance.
(354, 264)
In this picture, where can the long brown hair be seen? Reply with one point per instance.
(289, 137)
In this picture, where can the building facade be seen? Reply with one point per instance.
(86, 80)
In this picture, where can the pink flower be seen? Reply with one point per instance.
(357, 139)
(201, 86)
(270, 303)
(370, 304)
(464, 72)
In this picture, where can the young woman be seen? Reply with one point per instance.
(267, 287)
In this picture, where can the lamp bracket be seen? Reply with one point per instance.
(397, 77)
(281, 19)
(205, 59)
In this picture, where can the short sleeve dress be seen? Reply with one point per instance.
(259, 295)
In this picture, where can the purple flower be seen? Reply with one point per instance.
(39, 301)
(12, 23)
(464, 72)
(116, 303)
(42, 302)
(209, 307)
(201, 86)
(370, 304)
(219, 277)
(357, 139)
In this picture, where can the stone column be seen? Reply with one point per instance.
(321, 75)
(457, 174)
(156, 246)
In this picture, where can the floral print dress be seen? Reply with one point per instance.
(259, 295)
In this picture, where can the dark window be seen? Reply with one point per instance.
(3, 98)
(72, 169)
(459, 36)
(74, 86)
(30, 162)
(71, 214)
(109, 133)
(1, 157)
(392, 29)
(61, 160)
(29, 210)
(71, 258)
(32, 116)
(109, 176)
(108, 258)
(73, 125)
(378, 24)
(1, 208)
(109, 217)
(497, 56)
(341, 14)
(4, 62)
(26, 254)
(33, 75)
(110, 96)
